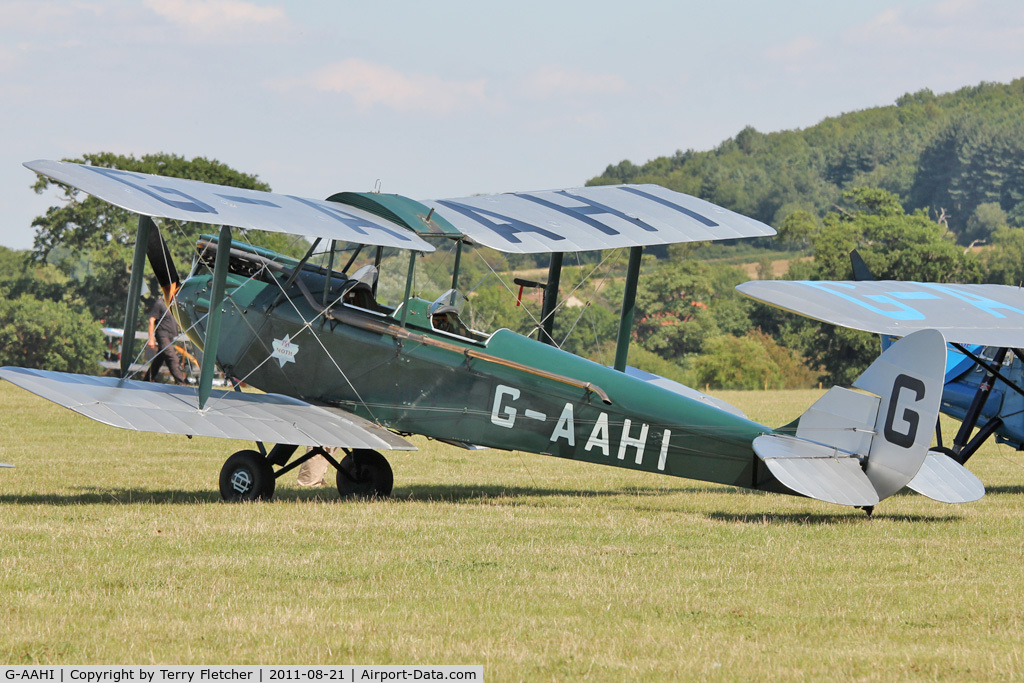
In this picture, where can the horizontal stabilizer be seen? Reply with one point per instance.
(815, 470)
(683, 390)
(169, 409)
(943, 479)
(989, 315)
(3, 464)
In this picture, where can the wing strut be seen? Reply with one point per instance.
(458, 262)
(408, 285)
(628, 308)
(220, 276)
(134, 292)
(547, 313)
(974, 412)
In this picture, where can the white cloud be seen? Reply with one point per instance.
(378, 85)
(796, 50)
(951, 26)
(29, 16)
(217, 16)
(552, 81)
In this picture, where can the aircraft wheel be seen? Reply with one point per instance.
(945, 451)
(365, 474)
(246, 475)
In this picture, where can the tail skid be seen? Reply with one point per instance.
(860, 447)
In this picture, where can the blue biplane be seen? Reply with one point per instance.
(983, 325)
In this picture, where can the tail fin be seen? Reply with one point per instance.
(857, 448)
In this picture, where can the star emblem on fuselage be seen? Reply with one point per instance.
(284, 350)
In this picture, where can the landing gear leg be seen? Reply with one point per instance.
(364, 473)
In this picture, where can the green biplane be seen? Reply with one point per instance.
(338, 368)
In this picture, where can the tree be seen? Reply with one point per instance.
(798, 228)
(895, 245)
(983, 222)
(672, 316)
(48, 335)
(1005, 261)
(753, 361)
(20, 275)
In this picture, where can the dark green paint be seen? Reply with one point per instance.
(547, 314)
(220, 272)
(134, 292)
(628, 308)
(458, 263)
(406, 212)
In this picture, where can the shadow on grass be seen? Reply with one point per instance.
(104, 496)
(849, 516)
(456, 493)
(1004, 489)
(409, 494)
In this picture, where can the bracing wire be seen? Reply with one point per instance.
(307, 325)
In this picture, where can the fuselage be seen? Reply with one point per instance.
(501, 391)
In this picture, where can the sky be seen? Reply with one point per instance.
(450, 98)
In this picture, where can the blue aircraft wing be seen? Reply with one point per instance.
(984, 315)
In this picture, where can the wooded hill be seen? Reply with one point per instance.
(958, 155)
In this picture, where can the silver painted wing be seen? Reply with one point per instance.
(191, 200)
(590, 218)
(990, 315)
(169, 409)
(683, 390)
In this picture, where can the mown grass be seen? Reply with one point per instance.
(114, 548)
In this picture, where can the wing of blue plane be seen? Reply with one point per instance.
(985, 315)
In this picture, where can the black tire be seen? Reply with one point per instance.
(365, 474)
(247, 475)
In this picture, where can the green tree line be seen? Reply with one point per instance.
(959, 156)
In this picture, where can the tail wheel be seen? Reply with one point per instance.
(247, 475)
(365, 474)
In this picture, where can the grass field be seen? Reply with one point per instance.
(114, 548)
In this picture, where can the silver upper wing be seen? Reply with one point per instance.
(191, 200)
(580, 219)
(590, 218)
(990, 315)
(169, 409)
